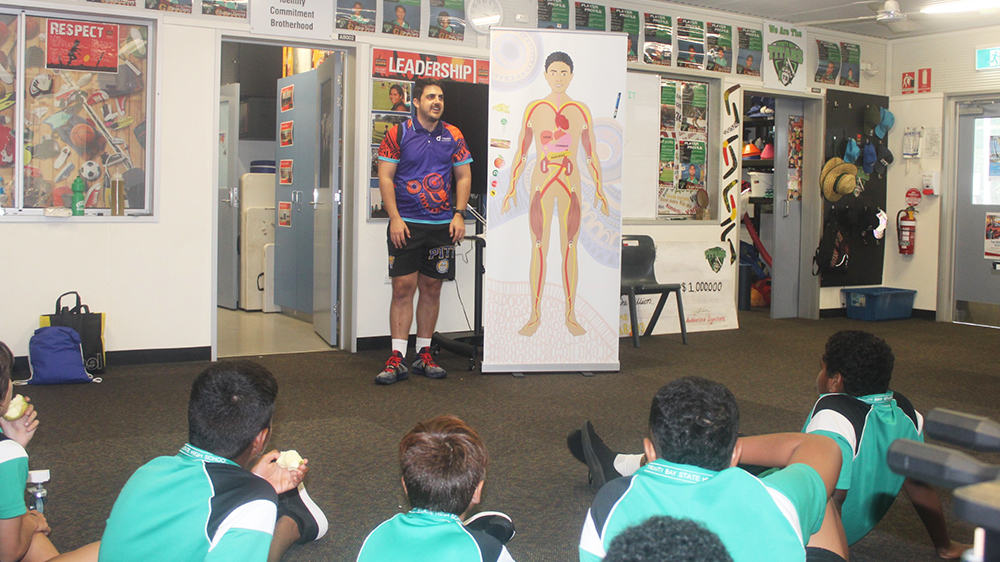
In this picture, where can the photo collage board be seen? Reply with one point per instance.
(84, 105)
(393, 76)
(683, 149)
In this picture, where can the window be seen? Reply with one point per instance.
(74, 104)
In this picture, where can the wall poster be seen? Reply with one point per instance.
(683, 146)
(690, 43)
(447, 20)
(718, 47)
(590, 17)
(751, 51)
(356, 15)
(850, 65)
(401, 17)
(182, 6)
(991, 250)
(553, 14)
(555, 215)
(627, 21)
(786, 48)
(657, 39)
(227, 8)
(827, 62)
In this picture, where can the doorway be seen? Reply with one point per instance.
(279, 229)
(976, 253)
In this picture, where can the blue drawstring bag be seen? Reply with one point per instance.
(55, 355)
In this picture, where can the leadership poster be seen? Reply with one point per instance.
(556, 129)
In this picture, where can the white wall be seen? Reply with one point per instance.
(152, 278)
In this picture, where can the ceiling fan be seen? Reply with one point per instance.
(887, 13)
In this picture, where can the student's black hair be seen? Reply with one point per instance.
(694, 421)
(666, 538)
(421, 83)
(398, 88)
(443, 460)
(863, 359)
(6, 368)
(231, 401)
(558, 56)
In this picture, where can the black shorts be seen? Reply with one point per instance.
(429, 250)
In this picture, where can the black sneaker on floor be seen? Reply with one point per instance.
(600, 458)
(494, 523)
(297, 504)
(575, 443)
(426, 366)
(394, 370)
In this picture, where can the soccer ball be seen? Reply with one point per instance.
(90, 170)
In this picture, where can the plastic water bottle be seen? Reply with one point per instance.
(79, 191)
(36, 489)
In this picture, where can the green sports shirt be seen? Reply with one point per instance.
(13, 478)
(192, 506)
(864, 427)
(769, 518)
(420, 535)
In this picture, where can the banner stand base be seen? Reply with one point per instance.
(465, 344)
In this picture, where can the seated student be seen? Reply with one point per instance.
(856, 409)
(210, 501)
(693, 426)
(23, 532)
(666, 538)
(443, 462)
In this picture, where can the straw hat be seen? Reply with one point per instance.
(838, 181)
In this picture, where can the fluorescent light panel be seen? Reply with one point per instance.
(957, 6)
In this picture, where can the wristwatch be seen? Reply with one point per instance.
(460, 212)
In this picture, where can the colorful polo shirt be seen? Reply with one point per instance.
(421, 535)
(424, 161)
(13, 478)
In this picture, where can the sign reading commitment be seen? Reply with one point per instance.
(81, 45)
(310, 19)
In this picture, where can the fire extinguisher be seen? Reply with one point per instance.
(906, 229)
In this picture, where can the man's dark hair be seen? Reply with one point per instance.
(6, 368)
(558, 56)
(398, 88)
(694, 421)
(231, 402)
(443, 13)
(863, 359)
(420, 84)
(666, 538)
(442, 461)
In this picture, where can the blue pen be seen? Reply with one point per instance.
(617, 101)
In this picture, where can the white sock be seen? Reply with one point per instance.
(627, 465)
(400, 346)
(423, 342)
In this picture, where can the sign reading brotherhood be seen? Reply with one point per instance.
(785, 48)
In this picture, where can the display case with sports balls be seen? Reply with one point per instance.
(83, 106)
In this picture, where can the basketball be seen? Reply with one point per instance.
(86, 139)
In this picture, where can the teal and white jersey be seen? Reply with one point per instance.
(769, 518)
(13, 478)
(191, 506)
(430, 536)
(865, 427)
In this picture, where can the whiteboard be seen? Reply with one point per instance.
(642, 145)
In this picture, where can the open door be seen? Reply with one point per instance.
(327, 207)
(228, 191)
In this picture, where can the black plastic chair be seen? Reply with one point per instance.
(638, 278)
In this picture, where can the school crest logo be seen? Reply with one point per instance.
(442, 266)
(786, 57)
(715, 258)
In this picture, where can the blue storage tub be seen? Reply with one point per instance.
(879, 303)
(262, 166)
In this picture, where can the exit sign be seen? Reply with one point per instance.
(988, 58)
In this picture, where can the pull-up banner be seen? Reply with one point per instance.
(556, 130)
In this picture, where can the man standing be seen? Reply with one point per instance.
(416, 159)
